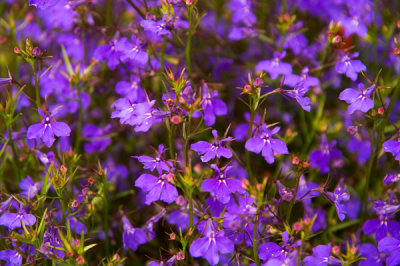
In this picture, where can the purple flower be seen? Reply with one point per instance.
(391, 178)
(390, 245)
(160, 27)
(358, 100)
(350, 67)
(109, 53)
(353, 25)
(155, 163)
(47, 129)
(298, 93)
(265, 144)
(212, 107)
(13, 220)
(157, 188)
(292, 79)
(382, 226)
(271, 250)
(132, 51)
(97, 138)
(339, 197)
(131, 87)
(209, 151)
(29, 188)
(221, 186)
(211, 245)
(132, 237)
(373, 258)
(11, 256)
(321, 256)
(275, 67)
(393, 147)
(321, 158)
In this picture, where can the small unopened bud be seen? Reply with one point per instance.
(353, 250)
(30, 260)
(79, 260)
(181, 100)
(337, 39)
(181, 201)
(172, 236)
(36, 52)
(29, 17)
(286, 16)
(258, 82)
(306, 164)
(336, 250)
(396, 51)
(197, 168)
(297, 226)
(63, 169)
(352, 130)
(149, 16)
(295, 160)
(116, 257)
(259, 187)
(189, 2)
(175, 120)
(17, 51)
(247, 88)
(245, 183)
(75, 204)
(90, 181)
(70, 253)
(307, 221)
(373, 113)
(170, 177)
(85, 191)
(398, 24)
(381, 111)
(101, 172)
(169, 102)
(180, 256)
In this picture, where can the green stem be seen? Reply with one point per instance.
(109, 13)
(37, 95)
(14, 151)
(247, 153)
(80, 119)
(171, 141)
(163, 54)
(368, 177)
(289, 211)
(255, 248)
(191, 213)
(140, 12)
(106, 211)
(188, 44)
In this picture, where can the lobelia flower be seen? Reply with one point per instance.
(350, 67)
(131, 87)
(29, 188)
(390, 245)
(265, 144)
(109, 53)
(47, 129)
(321, 158)
(160, 27)
(96, 138)
(155, 163)
(271, 250)
(382, 226)
(391, 178)
(275, 67)
(211, 246)
(157, 188)
(292, 79)
(393, 147)
(298, 93)
(209, 151)
(211, 106)
(373, 258)
(353, 25)
(13, 220)
(358, 100)
(221, 186)
(322, 256)
(149, 226)
(132, 237)
(132, 51)
(339, 197)
(11, 256)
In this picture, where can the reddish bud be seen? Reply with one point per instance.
(307, 221)
(79, 260)
(247, 88)
(180, 256)
(295, 160)
(337, 39)
(172, 236)
(170, 177)
(297, 226)
(396, 51)
(175, 120)
(116, 257)
(63, 169)
(286, 16)
(181, 201)
(381, 111)
(75, 204)
(352, 130)
(336, 250)
(189, 2)
(398, 24)
(90, 181)
(70, 253)
(306, 164)
(17, 51)
(85, 191)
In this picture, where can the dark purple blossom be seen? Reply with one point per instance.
(271, 250)
(160, 27)
(390, 245)
(373, 258)
(275, 67)
(209, 151)
(339, 197)
(358, 100)
(211, 106)
(132, 237)
(325, 155)
(350, 67)
(393, 147)
(321, 256)
(155, 163)
(267, 145)
(14, 220)
(29, 187)
(47, 129)
(221, 186)
(298, 94)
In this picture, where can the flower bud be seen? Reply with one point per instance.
(17, 51)
(297, 226)
(258, 82)
(189, 2)
(36, 52)
(90, 181)
(80, 260)
(175, 120)
(116, 257)
(63, 169)
(172, 236)
(381, 111)
(336, 250)
(295, 160)
(75, 204)
(180, 256)
(352, 130)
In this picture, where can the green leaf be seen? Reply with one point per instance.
(67, 62)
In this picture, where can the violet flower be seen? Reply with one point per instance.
(321, 158)
(322, 256)
(350, 67)
(157, 188)
(373, 258)
(211, 106)
(47, 129)
(393, 147)
(339, 197)
(265, 144)
(298, 94)
(390, 245)
(14, 220)
(275, 67)
(155, 163)
(358, 100)
(271, 250)
(29, 187)
(221, 186)
(132, 237)
(160, 27)
(209, 151)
